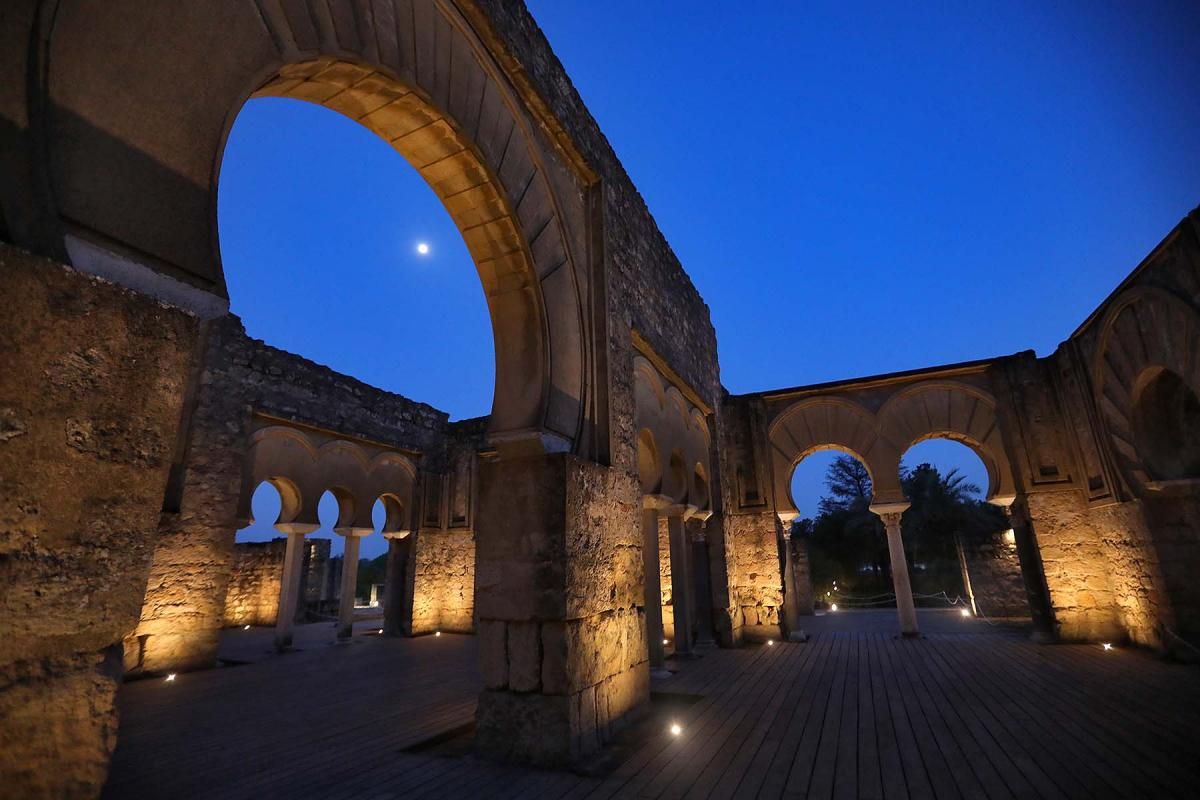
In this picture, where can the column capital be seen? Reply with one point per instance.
(656, 502)
(787, 517)
(349, 531)
(396, 534)
(890, 513)
(302, 528)
(676, 510)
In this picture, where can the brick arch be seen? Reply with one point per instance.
(824, 423)
(1145, 331)
(136, 129)
(949, 410)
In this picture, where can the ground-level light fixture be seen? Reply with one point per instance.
(245, 627)
(170, 677)
(770, 642)
(964, 612)
(676, 729)
(666, 642)
(439, 633)
(1108, 645)
(833, 607)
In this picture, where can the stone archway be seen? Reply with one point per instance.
(134, 130)
(1146, 380)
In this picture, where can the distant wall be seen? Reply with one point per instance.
(239, 377)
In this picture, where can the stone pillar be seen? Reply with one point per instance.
(289, 586)
(1045, 630)
(966, 574)
(653, 589)
(681, 588)
(399, 548)
(353, 536)
(791, 601)
(702, 585)
(561, 654)
(890, 514)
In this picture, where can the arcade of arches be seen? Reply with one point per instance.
(616, 497)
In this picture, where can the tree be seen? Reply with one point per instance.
(849, 486)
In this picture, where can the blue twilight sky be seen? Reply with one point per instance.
(854, 189)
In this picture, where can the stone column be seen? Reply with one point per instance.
(399, 546)
(890, 514)
(702, 585)
(966, 573)
(345, 627)
(653, 592)
(791, 603)
(681, 589)
(1045, 630)
(289, 586)
(557, 558)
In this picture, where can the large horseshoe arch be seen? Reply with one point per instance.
(130, 104)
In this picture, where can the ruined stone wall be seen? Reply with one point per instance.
(995, 573)
(253, 594)
(443, 572)
(91, 382)
(183, 609)
(757, 586)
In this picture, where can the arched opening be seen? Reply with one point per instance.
(1166, 426)
(961, 554)
(649, 466)
(837, 536)
(322, 225)
(675, 482)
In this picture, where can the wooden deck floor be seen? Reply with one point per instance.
(969, 711)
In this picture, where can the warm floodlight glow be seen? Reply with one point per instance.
(676, 729)
(171, 677)
(666, 642)
(423, 248)
(439, 633)
(770, 642)
(1107, 646)
(833, 607)
(245, 627)
(827, 594)
(381, 630)
(964, 612)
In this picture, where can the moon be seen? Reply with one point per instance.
(423, 248)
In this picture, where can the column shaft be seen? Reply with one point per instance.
(900, 582)
(681, 601)
(791, 603)
(393, 588)
(349, 586)
(289, 590)
(654, 622)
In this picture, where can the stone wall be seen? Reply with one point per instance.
(239, 376)
(995, 574)
(757, 586)
(253, 594)
(91, 382)
(443, 573)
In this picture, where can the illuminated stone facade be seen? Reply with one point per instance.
(136, 418)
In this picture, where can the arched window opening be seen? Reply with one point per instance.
(336, 249)
(954, 541)
(846, 549)
(1166, 427)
